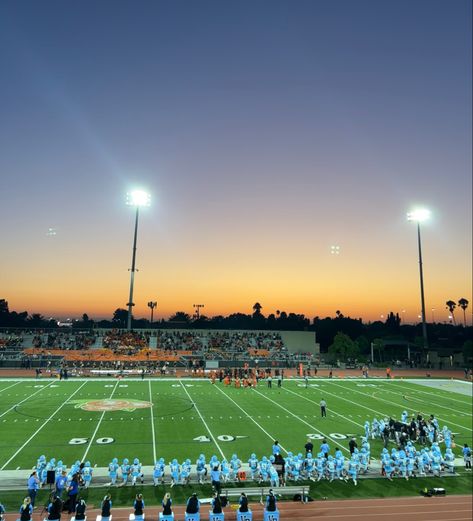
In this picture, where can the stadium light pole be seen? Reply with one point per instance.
(418, 216)
(152, 305)
(137, 199)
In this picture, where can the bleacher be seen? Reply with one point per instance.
(115, 349)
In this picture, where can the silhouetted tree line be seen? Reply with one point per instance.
(357, 339)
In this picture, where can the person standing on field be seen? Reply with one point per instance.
(323, 408)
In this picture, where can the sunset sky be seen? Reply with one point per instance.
(266, 131)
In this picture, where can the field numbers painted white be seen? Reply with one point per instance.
(315, 436)
(202, 439)
(100, 441)
(78, 441)
(225, 437)
(333, 435)
(104, 441)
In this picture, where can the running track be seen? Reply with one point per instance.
(451, 508)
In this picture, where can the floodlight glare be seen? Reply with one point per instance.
(138, 198)
(419, 215)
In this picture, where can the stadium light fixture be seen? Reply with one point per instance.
(137, 199)
(419, 215)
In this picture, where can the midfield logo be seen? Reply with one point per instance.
(111, 405)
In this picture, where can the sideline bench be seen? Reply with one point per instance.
(262, 492)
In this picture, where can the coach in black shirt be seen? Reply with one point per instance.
(309, 447)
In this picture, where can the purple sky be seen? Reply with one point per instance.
(266, 131)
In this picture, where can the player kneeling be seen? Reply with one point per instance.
(235, 465)
(201, 469)
(136, 472)
(158, 472)
(125, 471)
(113, 471)
(353, 470)
(185, 472)
(175, 472)
(87, 474)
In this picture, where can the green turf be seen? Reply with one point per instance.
(44, 417)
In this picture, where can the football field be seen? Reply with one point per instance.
(98, 419)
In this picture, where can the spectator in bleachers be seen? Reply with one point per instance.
(216, 504)
(167, 504)
(26, 510)
(80, 510)
(270, 502)
(193, 504)
(138, 506)
(106, 507)
(243, 503)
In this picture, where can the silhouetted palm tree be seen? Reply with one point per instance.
(463, 303)
(451, 307)
(257, 308)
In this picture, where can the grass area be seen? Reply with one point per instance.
(98, 420)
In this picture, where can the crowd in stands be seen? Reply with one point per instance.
(179, 340)
(10, 340)
(63, 340)
(125, 341)
(244, 341)
(168, 345)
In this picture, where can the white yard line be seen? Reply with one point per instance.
(331, 411)
(403, 406)
(202, 418)
(410, 397)
(301, 420)
(12, 385)
(436, 395)
(98, 425)
(324, 391)
(30, 396)
(250, 417)
(42, 426)
(152, 422)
